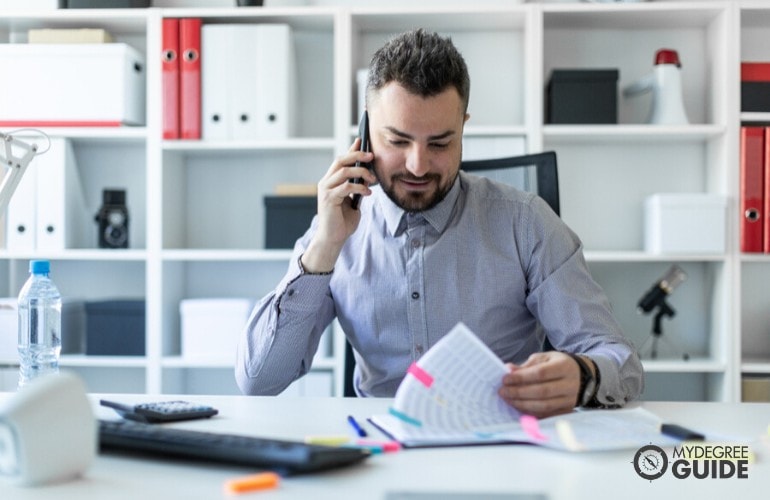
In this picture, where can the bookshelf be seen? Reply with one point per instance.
(188, 243)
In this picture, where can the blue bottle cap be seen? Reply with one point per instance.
(39, 266)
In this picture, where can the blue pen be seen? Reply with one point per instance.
(359, 430)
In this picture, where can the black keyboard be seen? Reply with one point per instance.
(267, 453)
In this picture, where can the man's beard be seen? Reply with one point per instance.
(416, 201)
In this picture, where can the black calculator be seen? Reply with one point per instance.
(162, 411)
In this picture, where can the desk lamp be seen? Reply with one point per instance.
(655, 298)
(15, 156)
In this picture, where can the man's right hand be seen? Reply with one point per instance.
(337, 219)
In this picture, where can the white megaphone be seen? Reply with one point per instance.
(665, 82)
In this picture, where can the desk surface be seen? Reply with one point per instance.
(483, 469)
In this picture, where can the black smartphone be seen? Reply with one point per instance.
(363, 133)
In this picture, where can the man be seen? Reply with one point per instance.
(430, 247)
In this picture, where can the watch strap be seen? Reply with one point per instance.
(586, 377)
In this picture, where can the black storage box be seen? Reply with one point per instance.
(115, 328)
(106, 4)
(755, 86)
(582, 96)
(287, 218)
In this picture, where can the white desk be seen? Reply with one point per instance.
(510, 468)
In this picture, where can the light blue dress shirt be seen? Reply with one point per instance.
(497, 259)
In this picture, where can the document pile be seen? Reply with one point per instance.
(449, 398)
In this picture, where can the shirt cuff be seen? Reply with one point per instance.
(609, 393)
(302, 291)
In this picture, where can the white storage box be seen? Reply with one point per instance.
(71, 85)
(685, 223)
(211, 327)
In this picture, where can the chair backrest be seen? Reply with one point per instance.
(536, 173)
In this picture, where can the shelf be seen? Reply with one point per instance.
(218, 362)
(638, 133)
(226, 255)
(84, 361)
(638, 256)
(755, 366)
(694, 365)
(235, 147)
(116, 255)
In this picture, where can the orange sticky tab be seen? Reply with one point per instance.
(261, 481)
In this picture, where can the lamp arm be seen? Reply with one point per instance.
(14, 166)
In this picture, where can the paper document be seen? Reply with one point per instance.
(449, 397)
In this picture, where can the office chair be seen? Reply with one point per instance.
(533, 172)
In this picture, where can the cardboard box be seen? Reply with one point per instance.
(755, 389)
(582, 96)
(685, 223)
(72, 85)
(755, 86)
(115, 328)
(287, 218)
(211, 327)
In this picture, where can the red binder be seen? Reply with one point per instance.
(170, 82)
(190, 78)
(766, 194)
(752, 189)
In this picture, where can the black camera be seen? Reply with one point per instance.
(113, 219)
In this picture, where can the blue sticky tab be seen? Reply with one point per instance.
(404, 417)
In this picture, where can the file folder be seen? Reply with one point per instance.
(170, 82)
(20, 219)
(248, 82)
(190, 78)
(216, 40)
(62, 220)
(752, 187)
(276, 82)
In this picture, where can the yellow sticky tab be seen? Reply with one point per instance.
(254, 482)
(328, 440)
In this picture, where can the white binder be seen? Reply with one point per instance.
(248, 82)
(215, 48)
(244, 94)
(61, 217)
(20, 219)
(276, 82)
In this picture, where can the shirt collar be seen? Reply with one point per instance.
(438, 216)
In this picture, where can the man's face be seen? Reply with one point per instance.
(417, 144)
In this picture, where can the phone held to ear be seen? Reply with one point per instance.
(363, 133)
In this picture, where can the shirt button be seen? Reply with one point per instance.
(610, 399)
(415, 243)
(418, 348)
(290, 292)
(415, 295)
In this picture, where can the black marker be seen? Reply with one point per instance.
(679, 432)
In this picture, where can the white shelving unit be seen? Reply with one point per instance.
(198, 220)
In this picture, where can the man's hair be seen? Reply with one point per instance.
(423, 63)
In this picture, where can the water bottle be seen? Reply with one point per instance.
(39, 324)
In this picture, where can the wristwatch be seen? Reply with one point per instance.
(588, 382)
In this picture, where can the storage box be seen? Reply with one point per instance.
(106, 4)
(755, 389)
(287, 218)
(72, 328)
(582, 96)
(115, 328)
(71, 85)
(211, 327)
(755, 86)
(685, 223)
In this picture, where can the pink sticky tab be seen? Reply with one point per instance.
(421, 375)
(532, 428)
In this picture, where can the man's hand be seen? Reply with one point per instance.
(546, 384)
(337, 219)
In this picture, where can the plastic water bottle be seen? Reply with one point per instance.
(39, 324)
